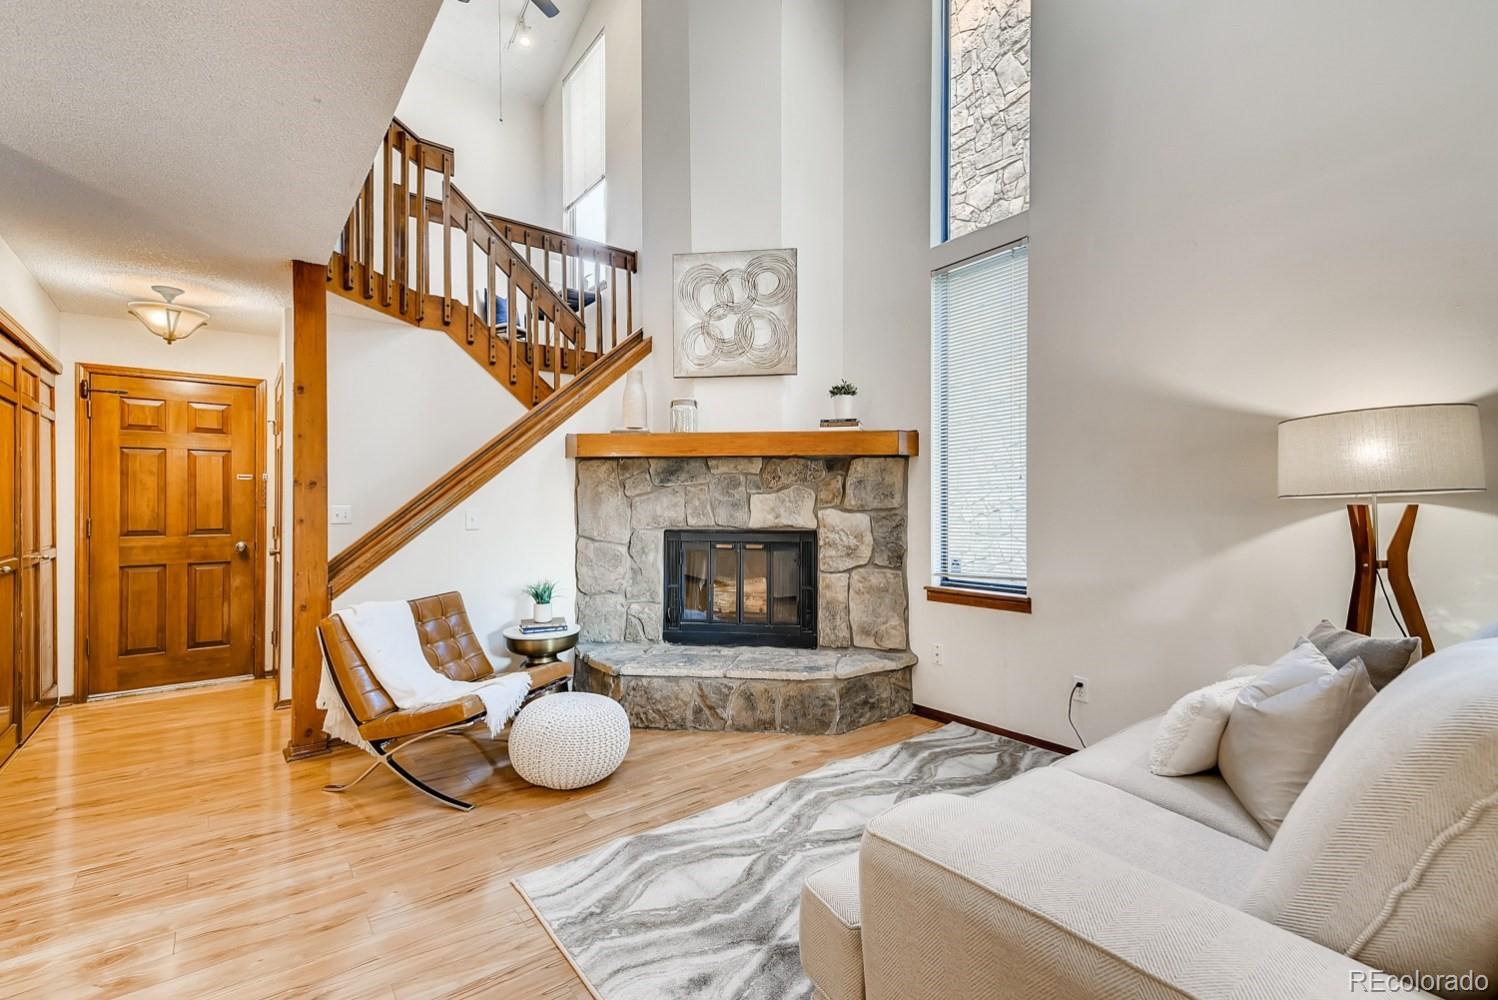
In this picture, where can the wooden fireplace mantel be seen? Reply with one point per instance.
(745, 444)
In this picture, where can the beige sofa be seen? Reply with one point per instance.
(1094, 878)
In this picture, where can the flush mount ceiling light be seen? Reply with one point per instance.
(169, 322)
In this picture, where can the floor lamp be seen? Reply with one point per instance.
(1368, 454)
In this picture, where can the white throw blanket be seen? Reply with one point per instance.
(385, 633)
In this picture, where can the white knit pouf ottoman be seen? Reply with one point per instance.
(568, 740)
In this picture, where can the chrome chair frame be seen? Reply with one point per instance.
(386, 749)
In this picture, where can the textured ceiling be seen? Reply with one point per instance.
(467, 39)
(192, 144)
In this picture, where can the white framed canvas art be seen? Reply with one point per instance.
(734, 313)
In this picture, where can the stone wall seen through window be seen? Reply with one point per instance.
(988, 130)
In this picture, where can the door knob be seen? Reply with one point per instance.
(241, 548)
(7, 570)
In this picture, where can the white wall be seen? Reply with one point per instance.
(744, 150)
(106, 341)
(404, 406)
(26, 301)
(1231, 223)
(496, 163)
(526, 532)
(811, 199)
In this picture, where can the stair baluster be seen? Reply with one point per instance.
(385, 259)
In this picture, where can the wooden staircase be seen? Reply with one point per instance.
(538, 309)
(415, 248)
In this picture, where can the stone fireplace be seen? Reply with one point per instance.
(856, 506)
(791, 550)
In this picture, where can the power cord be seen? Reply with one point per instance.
(1392, 613)
(1071, 701)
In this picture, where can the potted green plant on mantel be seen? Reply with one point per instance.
(842, 399)
(541, 593)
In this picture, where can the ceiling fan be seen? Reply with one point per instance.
(522, 32)
(544, 6)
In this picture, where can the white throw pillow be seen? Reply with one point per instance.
(1186, 742)
(1281, 728)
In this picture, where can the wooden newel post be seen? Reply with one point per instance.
(309, 504)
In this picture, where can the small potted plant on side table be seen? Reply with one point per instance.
(842, 399)
(541, 593)
(541, 638)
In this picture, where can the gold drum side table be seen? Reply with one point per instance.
(540, 649)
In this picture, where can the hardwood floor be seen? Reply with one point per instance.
(159, 846)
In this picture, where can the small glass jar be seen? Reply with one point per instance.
(683, 416)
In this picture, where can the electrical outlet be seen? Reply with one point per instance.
(340, 513)
(470, 520)
(1079, 692)
(936, 655)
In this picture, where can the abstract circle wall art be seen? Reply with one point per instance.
(734, 313)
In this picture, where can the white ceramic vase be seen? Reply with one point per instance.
(635, 405)
(542, 614)
(842, 407)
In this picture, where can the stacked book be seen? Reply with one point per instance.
(847, 423)
(529, 626)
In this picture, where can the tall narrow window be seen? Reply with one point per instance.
(986, 95)
(979, 311)
(584, 124)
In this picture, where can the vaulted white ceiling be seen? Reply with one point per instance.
(472, 40)
(194, 144)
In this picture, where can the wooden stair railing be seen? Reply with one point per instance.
(543, 350)
(385, 260)
(583, 264)
(463, 480)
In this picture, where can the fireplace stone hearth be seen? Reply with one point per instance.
(860, 670)
(747, 689)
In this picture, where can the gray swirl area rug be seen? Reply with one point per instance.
(706, 908)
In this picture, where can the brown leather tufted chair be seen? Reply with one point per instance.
(450, 645)
(447, 638)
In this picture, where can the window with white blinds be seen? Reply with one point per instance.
(583, 125)
(979, 312)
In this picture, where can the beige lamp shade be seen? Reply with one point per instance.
(1388, 450)
(169, 322)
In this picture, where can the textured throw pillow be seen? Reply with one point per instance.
(1283, 725)
(1385, 659)
(1186, 742)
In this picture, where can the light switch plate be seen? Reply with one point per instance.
(470, 520)
(340, 513)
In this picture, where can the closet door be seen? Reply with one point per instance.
(38, 552)
(10, 560)
(46, 506)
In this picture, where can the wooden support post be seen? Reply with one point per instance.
(309, 499)
(1364, 566)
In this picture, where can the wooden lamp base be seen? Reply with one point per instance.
(1366, 565)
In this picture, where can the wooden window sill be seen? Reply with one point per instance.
(980, 599)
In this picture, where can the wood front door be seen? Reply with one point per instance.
(174, 498)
